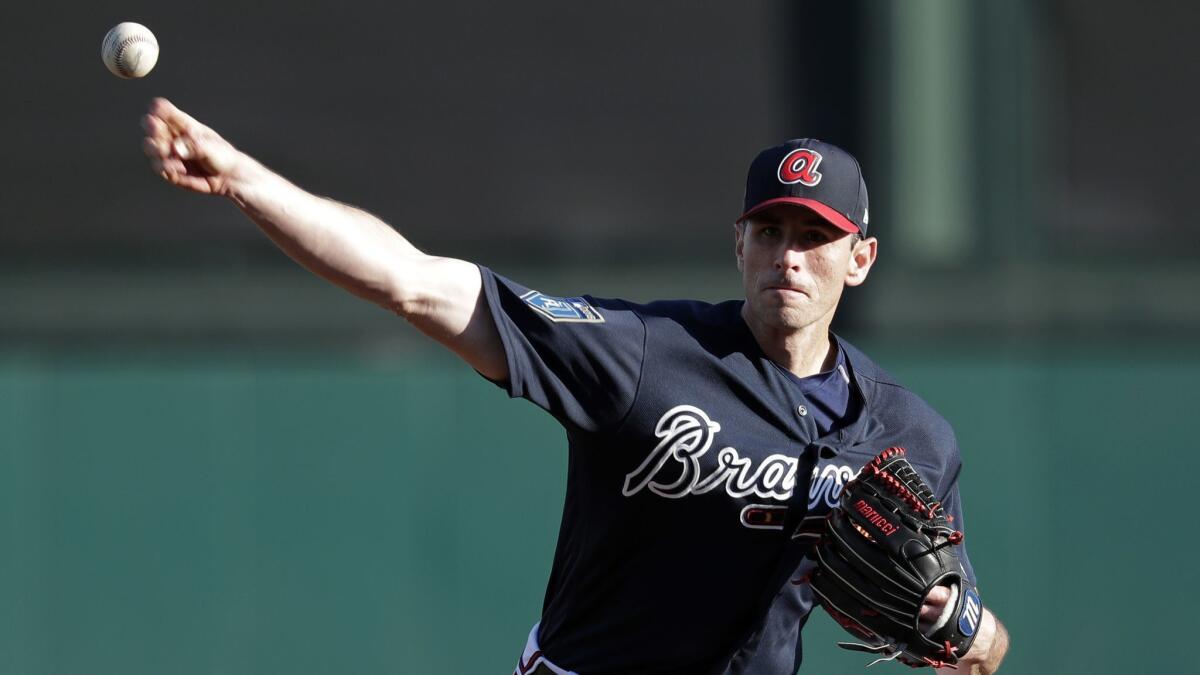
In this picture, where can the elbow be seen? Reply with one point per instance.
(402, 301)
(400, 292)
(408, 310)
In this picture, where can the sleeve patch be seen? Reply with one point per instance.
(568, 310)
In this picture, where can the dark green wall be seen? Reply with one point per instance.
(318, 514)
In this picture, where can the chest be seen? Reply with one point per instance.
(735, 456)
(738, 466)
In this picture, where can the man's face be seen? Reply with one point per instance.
(795, 264)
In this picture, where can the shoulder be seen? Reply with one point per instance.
(571, 313)
(899, 407)
(693, 325)
(689, 311)
(865, 368)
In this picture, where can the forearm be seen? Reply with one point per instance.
(340, 243)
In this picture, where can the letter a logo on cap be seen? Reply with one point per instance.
(800, 166)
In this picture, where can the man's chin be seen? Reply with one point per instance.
(782, 316)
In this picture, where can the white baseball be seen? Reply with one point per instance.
(129, 50)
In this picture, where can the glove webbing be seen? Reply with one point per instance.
(923, 502)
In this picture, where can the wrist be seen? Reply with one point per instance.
(989, 648)
(983, 641)
(245, 178)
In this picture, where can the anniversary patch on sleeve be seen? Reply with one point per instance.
(567, 310)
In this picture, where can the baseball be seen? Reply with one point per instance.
(129, 50)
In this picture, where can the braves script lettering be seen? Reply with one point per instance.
(686, 434)
(826, 489)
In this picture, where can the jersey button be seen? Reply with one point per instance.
(803, 411)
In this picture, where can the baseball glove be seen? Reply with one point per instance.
(886, 545)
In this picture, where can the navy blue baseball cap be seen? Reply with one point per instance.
(810, 173)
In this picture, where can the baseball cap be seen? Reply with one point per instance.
(811, 173)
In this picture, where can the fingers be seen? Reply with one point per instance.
(156, 130)
(174, 171)
(173, 117)
(168, 167)
(934, 603)
(155, 148)
(153, 126)
(938, 595)
(194, 183)
(184, 152)
(162, 140)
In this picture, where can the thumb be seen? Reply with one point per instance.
(184, 148)
(204, 153)
(203, 149)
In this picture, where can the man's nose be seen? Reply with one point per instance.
(789, 258)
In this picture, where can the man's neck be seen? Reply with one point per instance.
(802, 351)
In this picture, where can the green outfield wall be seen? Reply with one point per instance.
(200, 513)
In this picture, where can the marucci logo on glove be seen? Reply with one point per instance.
(875, 518)
(972, 610)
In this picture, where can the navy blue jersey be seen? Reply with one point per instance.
(697, 469)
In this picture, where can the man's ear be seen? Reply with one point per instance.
(862, 257)
(739, 230)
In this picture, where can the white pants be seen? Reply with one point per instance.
(533, 657)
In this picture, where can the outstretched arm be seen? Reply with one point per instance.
(442, 297)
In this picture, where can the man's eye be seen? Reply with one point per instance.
(770, 231)
(816, 236)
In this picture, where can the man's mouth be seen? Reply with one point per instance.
(784, 287)
(787, 294)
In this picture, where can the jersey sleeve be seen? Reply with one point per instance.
(579, 358)
(952, 504)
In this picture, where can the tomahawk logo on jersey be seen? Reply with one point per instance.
(695, 462)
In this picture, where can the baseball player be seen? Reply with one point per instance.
(705, 440)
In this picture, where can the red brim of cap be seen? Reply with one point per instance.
(833, 217)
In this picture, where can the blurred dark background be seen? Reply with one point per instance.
(212, 461)
(1029, 163)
